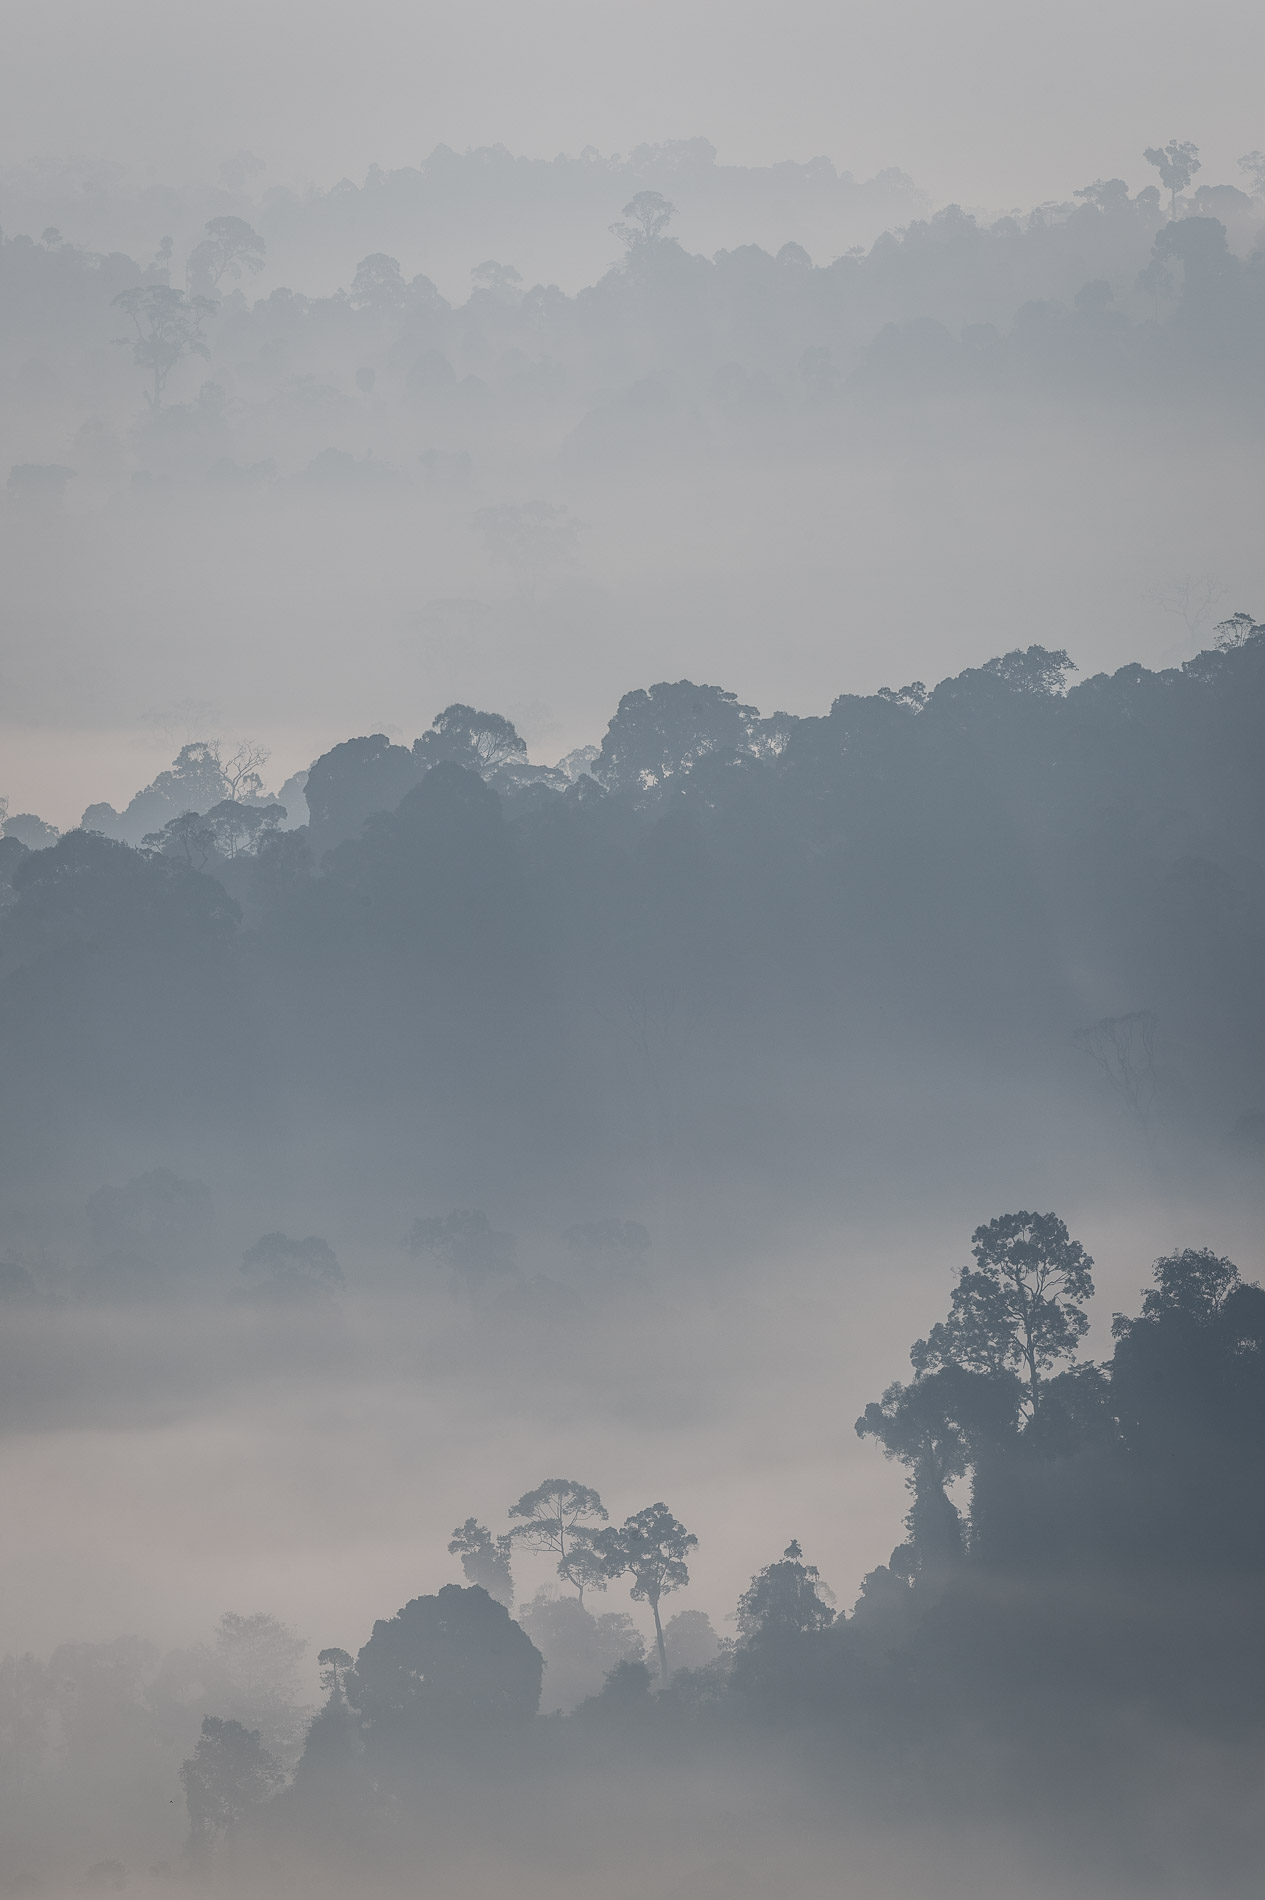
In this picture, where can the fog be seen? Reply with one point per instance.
(880, 561)
(987, 103)
(631, 692)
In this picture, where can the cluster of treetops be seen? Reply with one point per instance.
(889, 868)
(1112, 1558)
(1123, 289)
(210, 808)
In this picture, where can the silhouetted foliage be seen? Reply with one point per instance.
(1022, 1307)
(484, 1559)
(228, 1778)
(446, 1666)
(562, 1519)
(651, 1547)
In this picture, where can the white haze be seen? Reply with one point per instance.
(164, 1461)
(991, 102)
(921, 549)
(161, 1465)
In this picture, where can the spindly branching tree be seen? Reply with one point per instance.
(229, 246)
(168, 325)
(1021, 1308)
(651, 1547)
(562, 1518)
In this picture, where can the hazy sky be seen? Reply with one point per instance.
(986, 101)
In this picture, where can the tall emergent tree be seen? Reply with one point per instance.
(1021, 1308)
(1177, 162)
(645, 219)
(228, 247)
(652, 1547)
(562, 1519)
(335, 1667)
(168, 326)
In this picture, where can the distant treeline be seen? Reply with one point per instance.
(1110, 296)
(719, 939)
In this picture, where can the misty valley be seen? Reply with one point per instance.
(451, 1033)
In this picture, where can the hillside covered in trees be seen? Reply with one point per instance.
(722, 938)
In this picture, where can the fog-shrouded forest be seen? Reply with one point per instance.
(633, 844)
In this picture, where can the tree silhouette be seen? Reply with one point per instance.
(1194, 1284)
(228, 1777)
(1020, 1308)
(1177, 162)
(447, 1665)
(1034, 670)
(229, 830)
(645, 217)
(1236, 631)
(335, 1667)
(934, 1427)
(652, 1547)
(561, 1518)
(378, 286)
(168, 326)
(664, 731)
(785, 1598)
(1107, 194)
(229, 247)
(484, 1559)
(480, 741)
(1252, 165)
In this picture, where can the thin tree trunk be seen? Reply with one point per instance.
(1031, 1357)
(663, 1648)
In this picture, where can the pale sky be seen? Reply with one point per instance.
(987, 102)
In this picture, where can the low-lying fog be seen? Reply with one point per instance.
(162, 1463)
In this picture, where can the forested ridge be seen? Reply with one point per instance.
(1107, 300)
(456, 940)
